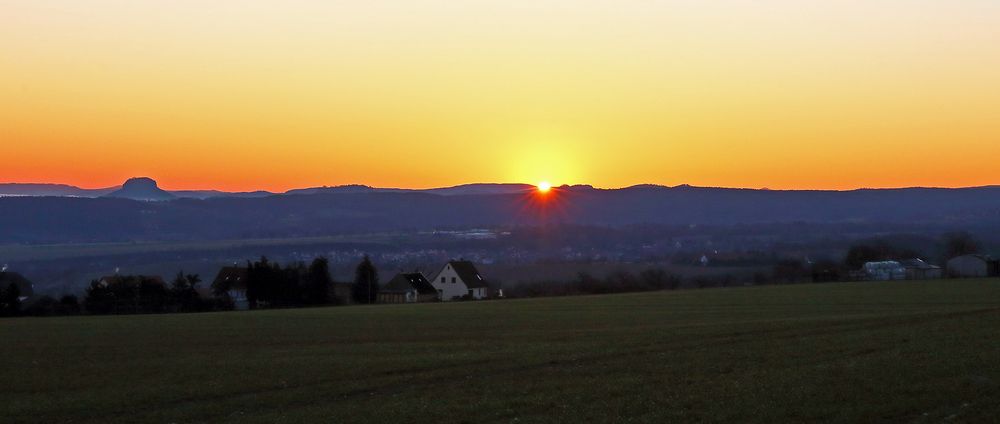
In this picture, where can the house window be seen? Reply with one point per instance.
(442, 279)
(453, 280)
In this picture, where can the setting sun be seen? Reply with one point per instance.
(567, 169)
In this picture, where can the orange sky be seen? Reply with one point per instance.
(252, 94)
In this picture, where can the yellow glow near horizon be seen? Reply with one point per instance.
(544, 187)
(267, 94)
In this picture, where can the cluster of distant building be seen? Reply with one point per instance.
(965, 266)
(461, 280)
(457, 280)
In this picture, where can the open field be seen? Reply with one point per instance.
(854, 352)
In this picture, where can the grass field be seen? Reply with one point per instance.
(854, 352)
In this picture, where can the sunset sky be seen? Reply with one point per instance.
(254, 94)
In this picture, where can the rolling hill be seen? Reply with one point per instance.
(65, 219)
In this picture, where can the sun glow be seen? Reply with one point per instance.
(544, 187)
(96, 92)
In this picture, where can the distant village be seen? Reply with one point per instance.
(260, 284)
(266, 284)
(965, 266)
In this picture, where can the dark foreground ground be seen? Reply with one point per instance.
(859, 352)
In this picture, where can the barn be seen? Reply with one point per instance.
(973, 266)
(407, 288)
(918, 269)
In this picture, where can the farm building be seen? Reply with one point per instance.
(884, 271)
(459, 279)
(917, 269)
(24, 287)
(232, 280)
(970, 266)
(407, 288)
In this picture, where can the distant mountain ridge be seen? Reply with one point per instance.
(32, 189)
(150, 191)
(144, 188)
(65, 190)
(465, 189)
(359, 209)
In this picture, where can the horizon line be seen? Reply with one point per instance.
(358, 184)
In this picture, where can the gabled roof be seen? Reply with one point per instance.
(233, 277)
(404, 282)
(468, 273)
(918, 264)
(23, 285)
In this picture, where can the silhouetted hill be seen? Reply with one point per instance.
(36, 220)
(466, 189)
(481, 189)
(63, 190)
(141, 188)
(344, 189)
(22, 189)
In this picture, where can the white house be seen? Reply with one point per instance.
(458, 279)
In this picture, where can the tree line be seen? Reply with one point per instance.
(950, 245)
(268, 285)
(782, 271)
(138, 294)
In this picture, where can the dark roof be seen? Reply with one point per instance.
(232, 276)
(23, 285)
(984, 258)
(404, 282)
(468, 273)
